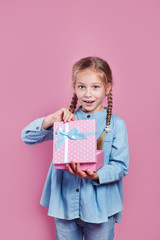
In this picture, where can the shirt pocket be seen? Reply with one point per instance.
(107, 145)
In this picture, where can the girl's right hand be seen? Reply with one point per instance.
(61, 115)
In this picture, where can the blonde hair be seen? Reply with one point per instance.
(102, 68)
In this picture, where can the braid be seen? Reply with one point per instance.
(108, 120)
(73, 103)
(101, 140)
(109, 109)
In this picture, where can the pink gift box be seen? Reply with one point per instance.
(76, 141)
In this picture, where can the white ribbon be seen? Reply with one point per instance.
(66, 145)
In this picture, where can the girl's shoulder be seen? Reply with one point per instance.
(117, 123)
(117, 118)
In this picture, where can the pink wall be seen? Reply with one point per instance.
(39, 42)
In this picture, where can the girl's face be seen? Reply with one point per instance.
(90, 91)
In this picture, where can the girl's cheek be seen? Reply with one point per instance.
(79, 95)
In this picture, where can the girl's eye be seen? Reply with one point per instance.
(95, 86)
(80, 86)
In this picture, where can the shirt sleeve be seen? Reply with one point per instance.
(118, 164)
(33, 133)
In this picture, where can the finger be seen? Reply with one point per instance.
(62, 113)
(92, 175)
(79, 172)
(66, 116)
(72, 165)
(89, 172)
(73, 118)
(70, 117)
(70, 169)
(78, 169)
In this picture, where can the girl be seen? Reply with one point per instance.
(86, 203)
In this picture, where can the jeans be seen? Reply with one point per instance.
(77, 229)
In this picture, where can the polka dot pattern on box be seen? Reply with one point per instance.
(83, 150)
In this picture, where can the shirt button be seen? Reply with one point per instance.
(88, 116)
(77, 190)
(37, 128)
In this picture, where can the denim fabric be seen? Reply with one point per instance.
(77, 229)
(94, 201)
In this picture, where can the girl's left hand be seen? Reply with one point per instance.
(74, 168)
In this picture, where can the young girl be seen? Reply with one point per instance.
(86, 203)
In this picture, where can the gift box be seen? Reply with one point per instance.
(76, 141)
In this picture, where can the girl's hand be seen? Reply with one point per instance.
(61, 115)
(74, 168)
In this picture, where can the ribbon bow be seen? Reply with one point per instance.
(72, 134)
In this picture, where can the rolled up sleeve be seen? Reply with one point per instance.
(33, 133)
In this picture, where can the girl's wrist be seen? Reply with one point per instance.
(96, 177)
(47, 123)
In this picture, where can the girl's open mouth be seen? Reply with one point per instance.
(88, 103)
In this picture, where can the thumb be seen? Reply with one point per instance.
(89, 172)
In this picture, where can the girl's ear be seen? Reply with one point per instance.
(108, 88)
(74, 88)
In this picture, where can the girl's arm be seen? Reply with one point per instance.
(34, 132)
(41, 129)
(118, 164)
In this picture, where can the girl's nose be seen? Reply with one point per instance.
(88, 92)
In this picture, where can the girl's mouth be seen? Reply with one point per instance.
(89, 102)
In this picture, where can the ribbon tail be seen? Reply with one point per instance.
(80, 136)
(59, 143)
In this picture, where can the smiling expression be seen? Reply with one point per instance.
(90, 91)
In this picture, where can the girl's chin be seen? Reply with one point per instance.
(91, 109)
(88, 109)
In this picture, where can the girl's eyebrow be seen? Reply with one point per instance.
(80, 83)
(95, 83)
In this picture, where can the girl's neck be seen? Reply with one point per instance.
(99, 110)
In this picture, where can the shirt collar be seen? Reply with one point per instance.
(96, 115)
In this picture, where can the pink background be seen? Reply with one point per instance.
(39, 42)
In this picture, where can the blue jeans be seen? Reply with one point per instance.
(77, 229)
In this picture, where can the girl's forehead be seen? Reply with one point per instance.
(88, 75)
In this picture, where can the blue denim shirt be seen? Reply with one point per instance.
(67, 196)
